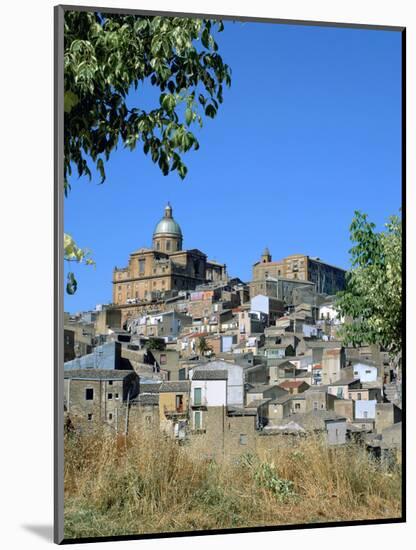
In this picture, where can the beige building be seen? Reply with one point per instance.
(328, 279)
(153, 272)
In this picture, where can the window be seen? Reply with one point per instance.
(141, 266)
(110, 382)
(148, 419)
(297, 406)
(110, 396)
(359, 396)
(179, 403)
(197, 420)
(89, 394)
(243, 439)
(163, 359)
(116, 396)
(365, 414)
(167, 245)
(110, 416)
(182, 374)
(315, 405)
(89, 416)
(368, 371)
(350, 396)
(197, 396)
(158, 245)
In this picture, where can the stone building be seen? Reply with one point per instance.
(99, 395)
(328, 279)
(166, 267)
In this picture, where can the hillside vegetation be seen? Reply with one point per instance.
(148, 484)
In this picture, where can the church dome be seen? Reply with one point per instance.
(167, 225)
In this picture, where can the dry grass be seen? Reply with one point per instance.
(149, 484)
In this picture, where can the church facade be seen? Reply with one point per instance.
(164, 269)
(327, 278)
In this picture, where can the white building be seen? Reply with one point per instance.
(365, 409)
(328, 312)
(211, 383)
(366, 373)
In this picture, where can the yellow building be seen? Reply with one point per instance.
(154, 272)
(174, 406)
(328, 279)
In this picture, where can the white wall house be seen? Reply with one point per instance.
(261, 304)
(366, 373)
(234, 382)
(365, 409)
(209, 389)
(329, 313)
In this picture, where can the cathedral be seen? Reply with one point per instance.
(164, 269)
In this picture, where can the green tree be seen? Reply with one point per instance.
(373, 296)
(156, 344)
(106, 56)
(203, 345)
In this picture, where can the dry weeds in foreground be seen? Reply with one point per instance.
(149, 484)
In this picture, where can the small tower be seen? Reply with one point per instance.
(266, 257)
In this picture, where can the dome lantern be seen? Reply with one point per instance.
(167, 236)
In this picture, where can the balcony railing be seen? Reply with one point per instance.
(177, 411)
(199, 403)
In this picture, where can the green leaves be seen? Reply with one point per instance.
(71, 285)
(70, 100)
(188, 115)
(72, 253)
(100, 167)
(210, 111)
(373, 298)
(106, 56)
(168, 102)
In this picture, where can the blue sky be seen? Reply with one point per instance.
(309, 131)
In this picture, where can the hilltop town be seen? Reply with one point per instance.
(223, 366)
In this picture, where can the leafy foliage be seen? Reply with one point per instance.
(156, 344)
(265, 474)
(203, 345)
(373, 296)
(72, 253)
(106, 55)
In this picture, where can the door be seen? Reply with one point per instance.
(197, 396)
(197, 420)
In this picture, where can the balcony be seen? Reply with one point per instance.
(199, 403)
(177, 412)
